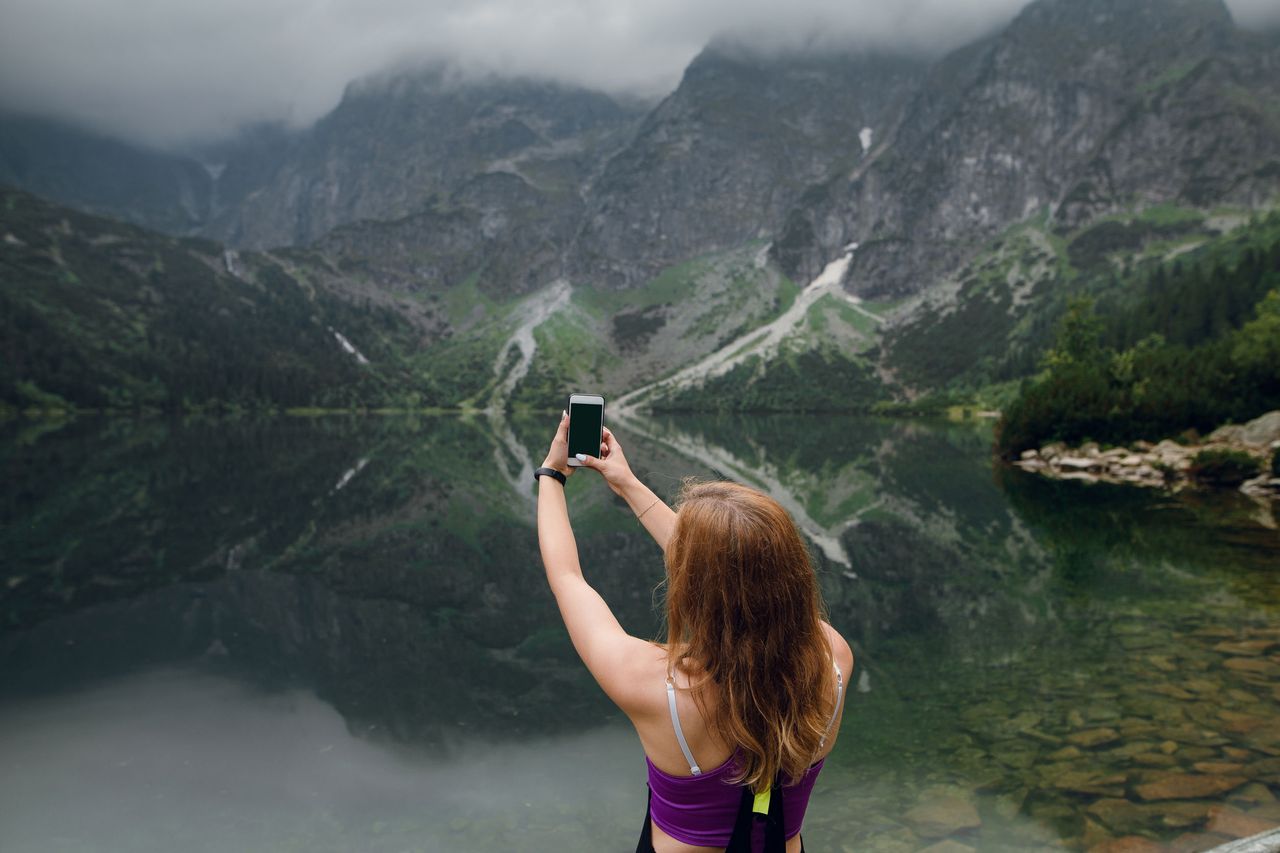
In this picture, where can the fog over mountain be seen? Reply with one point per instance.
(169, 74)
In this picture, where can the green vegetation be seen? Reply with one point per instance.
(101, 315)
(569, 351)
(1223, 467)
(1161, 270)
(813, 380)
(1156, 388)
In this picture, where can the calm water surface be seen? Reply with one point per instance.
(335, 634)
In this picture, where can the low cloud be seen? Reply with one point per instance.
(168, 72)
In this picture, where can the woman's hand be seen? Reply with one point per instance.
(558, 454)
(611, 463)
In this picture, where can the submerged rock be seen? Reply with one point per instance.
(1093, 737)
(943, 816)
(1225, 820)
(1128, 844)
(1188, 786)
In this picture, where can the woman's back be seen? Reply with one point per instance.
(703, 807)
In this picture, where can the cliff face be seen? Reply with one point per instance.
(721, 159)
(411, 143)
(1080, 109)
(104, 176)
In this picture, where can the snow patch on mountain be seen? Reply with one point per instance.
(348, 346)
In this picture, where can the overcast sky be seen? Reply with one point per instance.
(167, 72)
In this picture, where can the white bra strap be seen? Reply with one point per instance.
(835, 712)
(675, 723)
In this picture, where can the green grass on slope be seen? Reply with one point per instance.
(1193, 346)
(1009, 298)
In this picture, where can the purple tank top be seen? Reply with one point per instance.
(700, 810)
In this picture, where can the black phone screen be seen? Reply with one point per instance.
(585, 422)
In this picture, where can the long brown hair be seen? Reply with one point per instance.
(743, 605)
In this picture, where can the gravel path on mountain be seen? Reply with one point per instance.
(537, 311)
(761, 341)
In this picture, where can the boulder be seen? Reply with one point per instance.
(1225, 820)
(1093, 737)
(1128, 844)
(1125, 817)
(1120, 815)
(1188, 786)
(1261, 431)
(1247, 648)
(948, 846)
(1077, 463)
(943, 816)
(1195, 842)
(1255, 794)
(1229, 434)
(1253, 665)
(1088, 782)
(1219, 768)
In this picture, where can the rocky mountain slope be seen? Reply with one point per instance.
(100, 175)
(722, 158)
(1078, 109)
(414, 142)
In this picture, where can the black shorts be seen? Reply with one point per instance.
(746, 824)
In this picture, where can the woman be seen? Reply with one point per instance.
(750, 681)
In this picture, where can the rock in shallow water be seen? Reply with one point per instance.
(948, 846)
(1128, 844)
(1124, 816)
(1188, 786)
(1225, 820)
(1093, 737)
(943, 816)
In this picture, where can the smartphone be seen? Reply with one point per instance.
(586, 425)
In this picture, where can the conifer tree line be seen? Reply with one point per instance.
(1196, 345)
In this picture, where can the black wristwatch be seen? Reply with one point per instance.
(550, 472)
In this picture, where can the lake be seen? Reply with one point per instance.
(334, 634)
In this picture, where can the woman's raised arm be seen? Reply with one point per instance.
(608, 651)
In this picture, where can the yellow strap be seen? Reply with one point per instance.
(761, 804)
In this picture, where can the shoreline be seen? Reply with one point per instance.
(1220, 460)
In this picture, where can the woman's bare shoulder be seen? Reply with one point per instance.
(839, 648)
(646, 678)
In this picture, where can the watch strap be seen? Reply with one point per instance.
(550, 472)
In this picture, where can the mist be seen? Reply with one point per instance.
(169, 74)
(180, 760)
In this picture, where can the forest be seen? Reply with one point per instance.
(1194, 346)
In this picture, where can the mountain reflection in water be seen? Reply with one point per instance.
(342, 628)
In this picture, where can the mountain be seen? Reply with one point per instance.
(1082, 109)
(734, 147)
(400, 145)
(75, 167)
